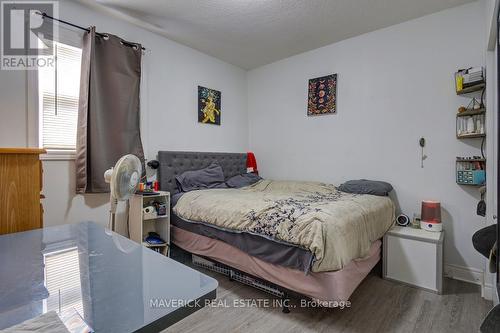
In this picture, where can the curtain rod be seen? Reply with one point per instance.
(44, 15)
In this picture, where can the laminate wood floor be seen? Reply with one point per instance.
(376, 306)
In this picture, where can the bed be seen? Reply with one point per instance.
(306, 237)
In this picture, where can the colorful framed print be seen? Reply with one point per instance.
(322, 95)
(209, 106)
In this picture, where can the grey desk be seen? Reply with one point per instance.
(116, 285)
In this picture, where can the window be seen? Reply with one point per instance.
(62, 280)
(58, 93)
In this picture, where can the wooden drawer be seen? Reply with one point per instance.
(20, 185)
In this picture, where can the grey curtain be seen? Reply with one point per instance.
(109, 108)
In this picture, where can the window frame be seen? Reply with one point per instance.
(34, 119)
(66, 36)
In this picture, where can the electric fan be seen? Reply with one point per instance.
(123, 180)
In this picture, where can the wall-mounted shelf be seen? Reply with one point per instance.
(471, 89)
(471, 171)
(471, 136)
(471, 160)
(472, 112)
(471, 124)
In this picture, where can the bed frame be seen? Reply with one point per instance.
(173, 163)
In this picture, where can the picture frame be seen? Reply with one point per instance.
(322, 95)
(209, 106)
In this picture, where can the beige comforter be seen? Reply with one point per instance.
(336, 227)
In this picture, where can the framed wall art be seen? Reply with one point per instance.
(322, 95)
(209, 106)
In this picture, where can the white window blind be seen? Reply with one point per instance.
(62, 280)
(58, 90)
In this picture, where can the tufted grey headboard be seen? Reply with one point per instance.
(173, 163)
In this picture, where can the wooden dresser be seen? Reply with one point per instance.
(20, 189)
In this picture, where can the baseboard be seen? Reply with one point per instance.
(466, 274)
(487, 291)
(471, 275)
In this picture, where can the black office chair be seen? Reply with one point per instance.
(483, 241)
(491, 324)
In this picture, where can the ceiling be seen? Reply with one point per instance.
(252, 33)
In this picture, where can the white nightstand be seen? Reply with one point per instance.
(141, 225)
(415, 257)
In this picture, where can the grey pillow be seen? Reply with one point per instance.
(209, 177)
(242, 180)
(364, 186)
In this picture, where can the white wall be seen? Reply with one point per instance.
(395, 85)
(172, 73)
